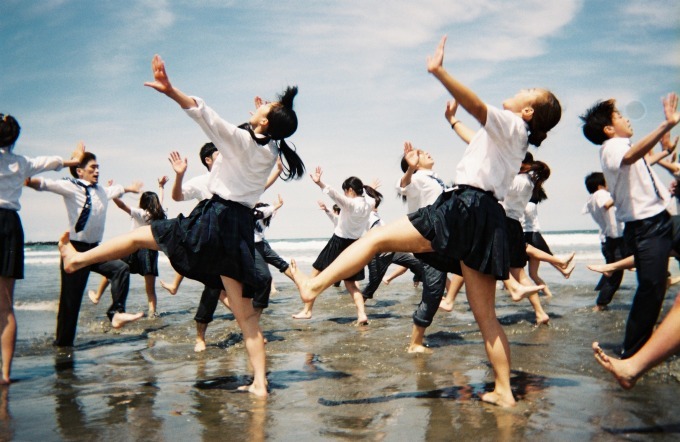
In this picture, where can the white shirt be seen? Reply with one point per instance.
(495, 153)
(354, 213)
(518, 196)
(603, 217)
(241, 170)
(140, 217)
(74, 199)
(332, 216)
(14, 169)
(197, 188)
(422, 191)
(374, 220)
(631, 186)
(267, 211)
(529, 219)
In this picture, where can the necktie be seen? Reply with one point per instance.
(440, 182)
(651, 177)
(87, 207)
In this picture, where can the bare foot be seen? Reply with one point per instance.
(416, 348)
(5, 381)
(446, 306)
(543, 319)
(67, 253)
(505, 401)
(120, 319)
(200, 345)
(304, 314)
(302, 282)
(618, 368)
(257, 391)
(599, 308)
(93, 296)
(171, 288)
(521, 291)
(566, 272)
(385, 281)
(547, 292)
(569, 258)
(601, 268)
(361, 320)
(672, 280)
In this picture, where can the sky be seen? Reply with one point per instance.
(73, 70)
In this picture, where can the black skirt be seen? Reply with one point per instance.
(332, 250)
(537, 240)
(12, 243)
(143, 262)
(216, 239)
(466, 224)
(517, 244)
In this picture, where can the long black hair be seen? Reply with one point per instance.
(149, 201)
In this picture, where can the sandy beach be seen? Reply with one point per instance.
(330, 379)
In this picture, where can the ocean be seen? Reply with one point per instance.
(329, 379)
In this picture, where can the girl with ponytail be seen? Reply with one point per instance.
(215, 243)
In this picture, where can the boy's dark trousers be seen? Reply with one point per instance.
(613, 249)
(650, 240)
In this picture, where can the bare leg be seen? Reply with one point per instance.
(400, 270)
(8, 327)
(664, 342)
(454, 287)
(481, 294)
(150, 284)
(608, 269)
(358, 298)
(247, 319)
(534, 264)
(174, 286)
(541, 316)
(115, 248)
(200, 345)
(95, 296)
(563, 265)
(306, 312)
(417, 344)
(520, 291)
(399, 235)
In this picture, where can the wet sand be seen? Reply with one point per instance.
(332, 380)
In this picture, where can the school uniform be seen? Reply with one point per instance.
(641, 202)
(14, 169)
(532, 228)
(424, 189)
(352, 224)
(515, 202)
(86, 206)
(264, 256)
(613, 245)
(143, 261)
(379, 264)
(216, 239)
(467, 224)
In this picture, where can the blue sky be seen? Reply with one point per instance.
(74, 70)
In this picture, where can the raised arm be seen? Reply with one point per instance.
(464, 132)
(412, 159)
(179, 165)
(316, 177)
(639, 149)
(463, 95)
(76, 156)
(162, 84)
(135, 187)
(276, 171)
(162, 181)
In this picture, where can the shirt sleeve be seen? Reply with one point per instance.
(60, 187)
(41, 164)
(613, 153)
(502, 125)
(115, 191)
(340, 199)
(141, 216)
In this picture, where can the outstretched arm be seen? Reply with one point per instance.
(463, 95)
(639, 149)
(179, 165)
(122, 206)
(135, 187)
(316, 177)
(162, 84)
(161, 188)
(278, 204)
(464, 132)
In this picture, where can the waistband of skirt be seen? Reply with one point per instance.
(658, 217)
(460, 188)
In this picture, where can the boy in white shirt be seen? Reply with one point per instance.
(640, 199)
(600, 206)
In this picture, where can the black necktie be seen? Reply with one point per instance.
(651, 177)
(87, 207)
